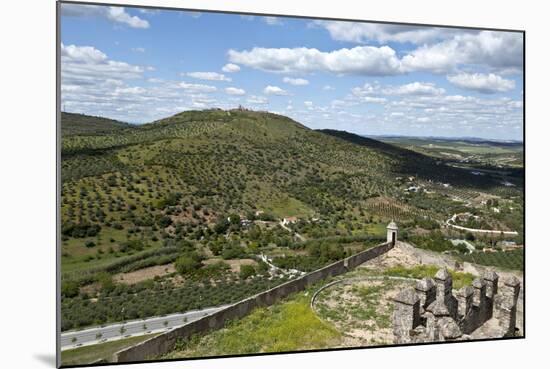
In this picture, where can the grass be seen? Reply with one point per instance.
(93, 353)
(460, 279)
(288, 206)
(288, 326)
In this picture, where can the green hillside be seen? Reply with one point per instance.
(179, 189)
(80, 124)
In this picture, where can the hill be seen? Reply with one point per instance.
(80, 124)
(207, 189)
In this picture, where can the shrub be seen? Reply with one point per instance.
(69, 289)
(247, 271)
(188, 264)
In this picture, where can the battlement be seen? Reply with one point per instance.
(432, 311)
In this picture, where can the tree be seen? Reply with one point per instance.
(188, 264)
(221, 225)
(247, 271)
(106, 282)
(69, 289)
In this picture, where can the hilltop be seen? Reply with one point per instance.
(81, 124)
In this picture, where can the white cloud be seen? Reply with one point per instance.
(138, 49)
(484, 83)
(296, 81)
(86, 65)
(208, 76)
(231, 68)
(149, 11)
(328, 88)
(275, 90)
(382, 33)
(415, 88)
(195, 87)
(273, 21)
(235, 91)
(495, 50)
(119, 15)
(115, 14)
(374, 100)
(364, 60)
(257, 100)
(308, 103)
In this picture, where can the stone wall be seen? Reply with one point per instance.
(165, 342)
(433, 312)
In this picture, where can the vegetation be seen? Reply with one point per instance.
(511, 260)
(460, 279)
(287, 326)
(205, 186)
(101, 351)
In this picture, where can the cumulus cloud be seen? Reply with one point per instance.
(328, 88)
(382, 33)
(85, 65)
(257, 100)
(275, 90)
(231, 68)
(484, 83)
(208, 76)
(415, 88)
(114, 14)
(195, 87)
(296, 81)
(364, 60)
(235, 91)
(495, 50)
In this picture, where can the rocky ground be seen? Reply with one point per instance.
(361, 309)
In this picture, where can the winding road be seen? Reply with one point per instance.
(490, 231)
(113, 332)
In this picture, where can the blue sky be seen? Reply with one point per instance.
(140, 65)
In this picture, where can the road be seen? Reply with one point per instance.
(490, 231)
(95, 335)
(299, 236)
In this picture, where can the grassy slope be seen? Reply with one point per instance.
(226, 162)
(287, 326)
(291, 325)
(89, 354)
(80, 124)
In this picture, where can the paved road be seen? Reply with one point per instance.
(95, 335)
(490, 231)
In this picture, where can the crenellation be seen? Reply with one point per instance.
(426, 292)
(434, 312)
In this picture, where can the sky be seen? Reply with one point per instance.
(140, 65)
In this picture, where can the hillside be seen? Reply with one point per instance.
(211, 187)
(80, 124)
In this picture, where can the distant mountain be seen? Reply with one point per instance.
(469, 140)
(80, 124)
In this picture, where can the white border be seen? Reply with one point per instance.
(27, 203)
